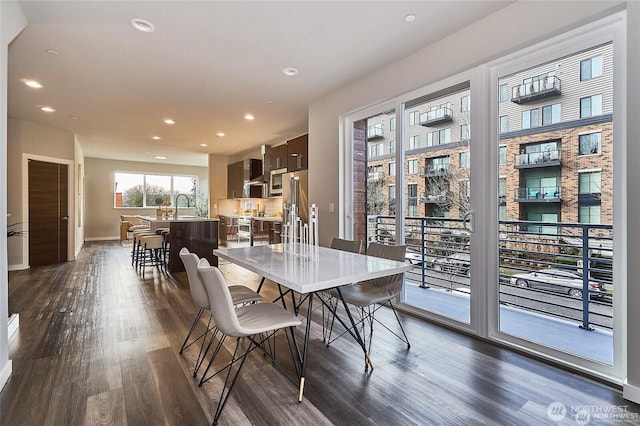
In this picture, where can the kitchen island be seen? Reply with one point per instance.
(199, 235)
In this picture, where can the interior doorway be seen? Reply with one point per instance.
(48, 212)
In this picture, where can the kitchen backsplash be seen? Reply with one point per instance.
(270, 206)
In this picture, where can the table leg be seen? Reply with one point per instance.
(260, 285)
(305, 350)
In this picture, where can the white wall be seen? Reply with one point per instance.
(12, 21)
(101, 218)
(497, 35)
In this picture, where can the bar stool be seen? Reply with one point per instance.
(136, 245)
(151, 254)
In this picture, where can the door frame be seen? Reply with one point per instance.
(70, 207)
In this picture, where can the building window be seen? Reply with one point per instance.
(590, 143)
(502, 155)
(591, 68)
(502, 212)
(392, 124)
(590, 106)
(589, 183)
(392, 169)
(414, 118)
(392, 200)
(464, 159)
(465, 103)
(551, 114)
(439, 137)
(147, 190)
(530, 118)
(412, 198)
(504, 123)
(412, 166)
(392, 147)
(464, 132)
(504, 92)
(414, 142)
(589, 214)
(376, 150)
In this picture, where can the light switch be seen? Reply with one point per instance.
(331, 207)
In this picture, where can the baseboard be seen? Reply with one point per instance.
(14, 324)
(631, 392)
(18, 267)
(5, 374)
(117, 237)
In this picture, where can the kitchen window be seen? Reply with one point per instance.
(151, 190)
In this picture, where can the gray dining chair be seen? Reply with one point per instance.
(353, 246)
(369, 296)
(257, 322)
(239, 294)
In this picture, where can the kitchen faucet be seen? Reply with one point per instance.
(175, 216)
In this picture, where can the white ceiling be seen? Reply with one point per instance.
(207, 64)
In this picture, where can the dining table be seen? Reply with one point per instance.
(308, 270)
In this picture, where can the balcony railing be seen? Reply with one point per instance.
(436, 116)
(374, 132)
(375, 175)
(584, 252)
(430, 197)
(539, 194)
(538, 159)
(546, 87)
(436, 170)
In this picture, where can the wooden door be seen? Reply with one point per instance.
(48, 212)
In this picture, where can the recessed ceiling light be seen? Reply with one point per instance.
(52, 52)
(410, 18)
(160, 157)
(290, 71)
(220, 134)
(73, 117)
(47, 109)
(142, 25)
(203, 144)
(33, 83)
(169, 121)
(249, 117)
(156, 137)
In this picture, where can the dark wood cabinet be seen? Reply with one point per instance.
(278, 157)
(238, 176)
(298, 153)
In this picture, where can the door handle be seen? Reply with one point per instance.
(467, 221)
(64, 218)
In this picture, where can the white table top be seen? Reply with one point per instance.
(331, 268)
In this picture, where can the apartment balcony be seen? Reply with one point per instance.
(548, 87)
(375, 176)
(374, 133)
(432, 197)
(437, 116)
(540, 194)
(538, 159)
(437, 170)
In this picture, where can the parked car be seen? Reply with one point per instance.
(458, 263)
(413, 257)
(557, 280)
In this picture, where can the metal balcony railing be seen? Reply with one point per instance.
(542, 87)
(436, 170)
(436, 116)
(439, 249)
(539, 194)
(375, 175)
(547, 158)
(433, 197)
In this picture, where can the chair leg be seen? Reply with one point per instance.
(406, 339)
(224, 397)
(193, 326)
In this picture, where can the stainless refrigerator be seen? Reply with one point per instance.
(295, 190)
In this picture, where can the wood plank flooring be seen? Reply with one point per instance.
(98, 345)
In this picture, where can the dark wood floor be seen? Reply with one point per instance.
(99, 345)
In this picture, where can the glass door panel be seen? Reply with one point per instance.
(555, 227)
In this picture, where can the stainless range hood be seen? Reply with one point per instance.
(263, 179)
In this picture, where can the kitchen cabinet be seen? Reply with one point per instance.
(261, 230)
(238, 176)
(228, 229)
(278, 157)
(298, 153)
